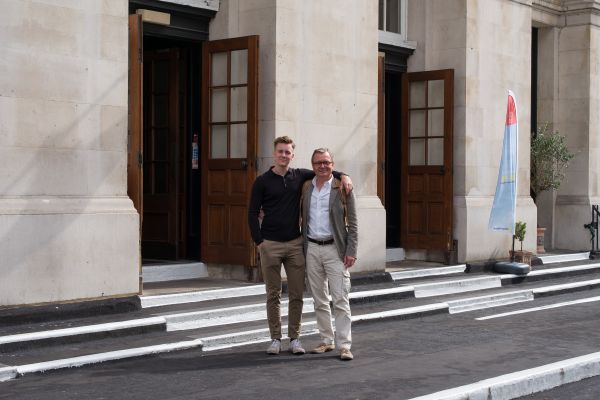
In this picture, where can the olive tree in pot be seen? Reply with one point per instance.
(520, 255)
(550, 158)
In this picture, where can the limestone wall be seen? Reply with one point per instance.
(579, 120)
(488, 45)
(67, 228)
(318, 84)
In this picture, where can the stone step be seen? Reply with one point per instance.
(556, 258)
(424, 272)
(496, 300)
(456, 286)
(173, 271)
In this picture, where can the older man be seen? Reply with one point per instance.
(330, 230)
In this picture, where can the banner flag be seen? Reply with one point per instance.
(502, 217)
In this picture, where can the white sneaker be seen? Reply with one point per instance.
(296, 347)
(274, 347)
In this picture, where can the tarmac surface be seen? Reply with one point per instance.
(398, 359)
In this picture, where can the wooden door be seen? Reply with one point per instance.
(228, 151)
(135, 126)
(381, 128)
(427, 124)
(163, 231)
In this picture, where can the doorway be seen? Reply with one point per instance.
(171, 201)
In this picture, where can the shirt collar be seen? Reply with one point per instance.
(314, 181)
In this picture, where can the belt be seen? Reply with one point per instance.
(321, 242)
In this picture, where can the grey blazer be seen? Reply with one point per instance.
(344, 237)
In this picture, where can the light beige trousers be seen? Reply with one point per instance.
(327, 274)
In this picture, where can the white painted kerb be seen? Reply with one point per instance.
(523, 383)
(81, 330)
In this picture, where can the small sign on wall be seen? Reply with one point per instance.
(195, 152)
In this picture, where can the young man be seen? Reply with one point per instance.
(330, 230)
(277, 193)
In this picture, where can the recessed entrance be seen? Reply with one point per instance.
(168, 231)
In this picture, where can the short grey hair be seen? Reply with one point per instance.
(321, 150)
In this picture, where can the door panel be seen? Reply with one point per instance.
(229, 132)
(134, 136)
(427, 130)
(381, 128)
(164, 228)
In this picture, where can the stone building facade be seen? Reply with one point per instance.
(104, 106)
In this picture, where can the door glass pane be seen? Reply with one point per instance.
(435, 122)
(238, 141)
(161, 77)
(239, 103)
(417, 151)
(161, 144)
(435, 150)
(218, 105)
(160, 178)
(435, 93)
(239, 67)
(218, 71)
(218, 141)
(417, 95)
(417, 123)
(161, 110)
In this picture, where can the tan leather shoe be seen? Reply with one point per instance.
(346, 355)
(322, 348)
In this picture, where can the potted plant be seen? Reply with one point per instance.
(550, 158)
(520, 255)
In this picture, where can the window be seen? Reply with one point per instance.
(392, 23)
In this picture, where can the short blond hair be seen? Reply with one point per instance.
(284, 140)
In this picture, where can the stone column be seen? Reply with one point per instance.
(547, 113)
(579, 120)
(68, 231)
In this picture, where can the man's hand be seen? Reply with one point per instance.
(349, 261)
(347, 183)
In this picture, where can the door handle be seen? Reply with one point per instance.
(244, 164)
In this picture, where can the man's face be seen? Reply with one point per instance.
(283, 154)
(322, 165)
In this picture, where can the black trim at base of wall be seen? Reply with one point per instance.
(54, 311)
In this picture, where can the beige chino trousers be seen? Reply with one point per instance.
(291, 255)
(327, 274)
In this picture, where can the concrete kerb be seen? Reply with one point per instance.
(425, 272)
(7, 373)
(205, 295)
(107, 356)
(566, 288)
(523, 383)
(18, 341)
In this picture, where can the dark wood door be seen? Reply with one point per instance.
(228, 151)
(427, 125)
(164, 225)
(135, 126)
(381, 128)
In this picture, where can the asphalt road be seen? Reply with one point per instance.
(394, 359)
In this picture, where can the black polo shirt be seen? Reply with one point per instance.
(279, 197)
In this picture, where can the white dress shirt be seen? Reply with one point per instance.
(318, 219)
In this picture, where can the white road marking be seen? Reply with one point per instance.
(528, 310)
